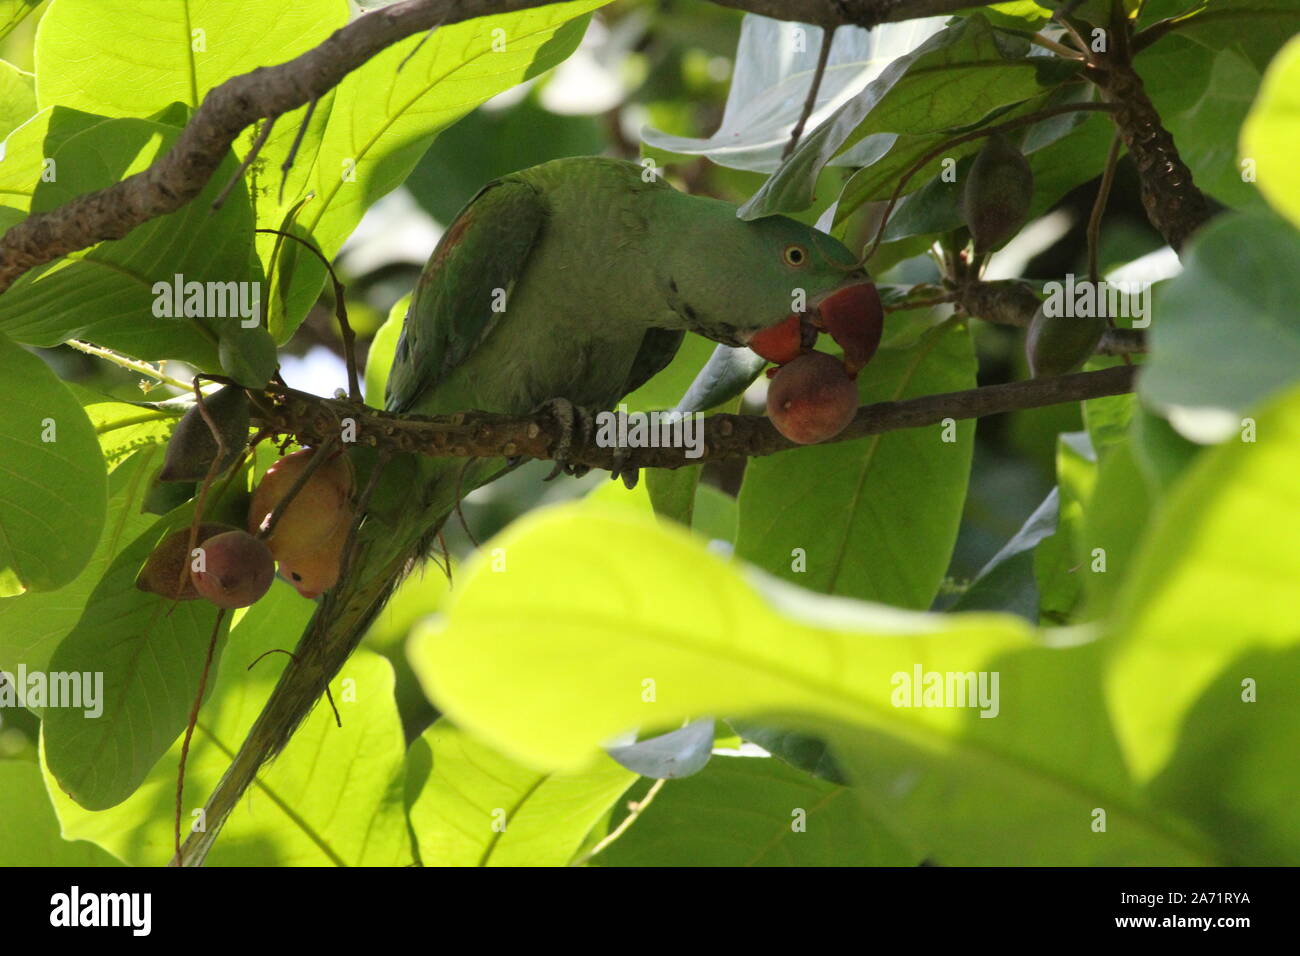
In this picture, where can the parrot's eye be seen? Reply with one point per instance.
(795, 255)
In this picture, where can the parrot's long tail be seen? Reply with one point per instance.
(340, 622)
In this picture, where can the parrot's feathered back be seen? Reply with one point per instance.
(576, 279)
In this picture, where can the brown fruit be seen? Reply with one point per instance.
(192, 449)
(237, 570)
(162, 571)
(315, 571)
(811, 398)
(997, 194)
(317, 511)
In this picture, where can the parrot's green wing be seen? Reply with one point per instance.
(464, 285)
(658, 348)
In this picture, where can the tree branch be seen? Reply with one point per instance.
(313, 420)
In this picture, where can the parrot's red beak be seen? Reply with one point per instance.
(853, 316)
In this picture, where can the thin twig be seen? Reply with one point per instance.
(253, 150)
(128, 363)
(823, 56)
(634, 812)
(293, 150)
(189, 730)
(340, 313)
(1099, 206)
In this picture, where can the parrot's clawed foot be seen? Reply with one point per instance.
(629, 473)
(575, 429)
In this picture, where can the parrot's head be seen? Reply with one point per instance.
(773, 284)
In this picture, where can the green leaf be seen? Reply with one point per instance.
(664, 631)
(1253, 28)
(17, 96)
(1271, 134)
(914, 96)
(29, 831)
(333, 797)
(150, 653)
(1203, 97)
(480, 808)
(53, 484)
(1214, 583)
(1007, 582)
(1057, 565)
(1115, 517)
(673, 492)
(119, 58)
(33, 624)
(661, 630)
(1226, 334)
(874, 518)
(379, 360)
(123, 428)
(747, 811)
(109, 293)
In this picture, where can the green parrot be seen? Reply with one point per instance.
(564, 286)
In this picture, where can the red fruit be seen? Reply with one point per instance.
(237, 570)
(811, 398)
(854, 318)
(779, 343)
(319, 508)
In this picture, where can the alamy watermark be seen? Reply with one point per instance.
(78, 690)
(624, 429)
(922, 688)
(208, 300)
(1083, 299)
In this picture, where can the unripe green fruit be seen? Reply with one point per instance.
(317, 511)
(997, 194)
(166, 571)
(811, 398)
(192, 448)
(1060, 344)
(238, 570)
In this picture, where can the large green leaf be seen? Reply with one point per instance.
(52, 479)
(874, 518)
(33, 624)
(1215, 583)
(479, 808)
(1225, 333)
(660, 608)
(578, 641)
(29, 831)
(1271, 134)
(745, 811)
(916, 95)
(122, 58)
(333, 797)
